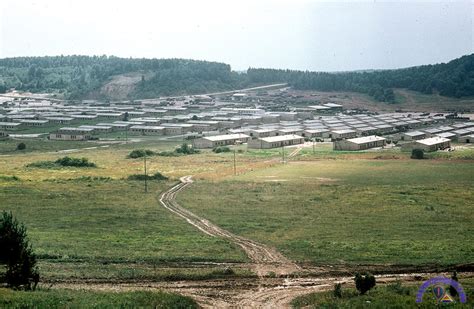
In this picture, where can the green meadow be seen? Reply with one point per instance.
(50, 299)
(349, 211)
(104, 228)
(394, 295)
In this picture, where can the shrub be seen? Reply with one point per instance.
(156, 176)
(17, 254)
(221, 149)
(9, 178)
(228, 271)
(65, 161)
(21, 146)
(140, 153)
(364, 282)
(337, 290)
(76, 162)
(417, 154)
(186, 149)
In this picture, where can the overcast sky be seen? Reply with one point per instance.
(295, 34)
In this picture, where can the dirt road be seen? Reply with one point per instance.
(248, 292)
(266, 259)
(261, 292)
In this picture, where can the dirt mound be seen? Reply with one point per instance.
(121, 86)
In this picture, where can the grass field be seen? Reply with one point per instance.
(106, 228)
(91, 223)
(349, 211)
(88, 222)
(327, 207)
(49, 299)
(391, 296)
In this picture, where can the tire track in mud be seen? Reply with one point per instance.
(266, 259)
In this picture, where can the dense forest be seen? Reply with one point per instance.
(77, 77)
(452, 79)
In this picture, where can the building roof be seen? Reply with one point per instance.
(33, 121)
(343, 131)
(366, 139)
(9, 124)
(225, 137)
(332, 105)
(319, 107)
(76, 129)
(139, 127)
(446, 135)
(432, 140)
(414, 133)
(280, 138)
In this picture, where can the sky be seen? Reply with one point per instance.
(287, 34)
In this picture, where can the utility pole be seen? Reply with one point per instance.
(314, 138)
(146, 176)
(126, 135)
(235, 169)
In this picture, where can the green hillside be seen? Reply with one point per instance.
(76, 77)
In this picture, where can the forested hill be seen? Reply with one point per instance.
(82, 76)
(452, 79)
(77, 77)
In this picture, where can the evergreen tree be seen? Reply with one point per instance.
(17, 254)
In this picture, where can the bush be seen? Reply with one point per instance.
(21, 146)
(186, 149)
(65, 161)
(364, 282)
(140, 153)
(221, 149)
(17, 254)
(76, 162)
(337, 290)
(156, 176)
(417, 154)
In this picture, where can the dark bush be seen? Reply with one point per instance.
(364, 282)
(417, 154)
(186, 149)
(63, 162)
(156, 176)
(16, 253)
(140, 153)
(21, 146)
(221, 149)
(337, 290)
(76, 162)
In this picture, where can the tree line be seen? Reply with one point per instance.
(452, 79)
(76, 77)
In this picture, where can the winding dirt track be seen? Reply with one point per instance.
(265, 259)
(263, 292)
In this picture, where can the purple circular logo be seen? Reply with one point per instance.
(440, 291)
